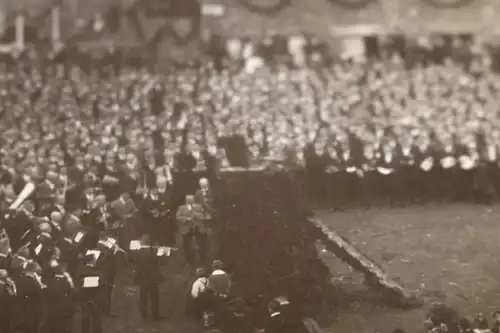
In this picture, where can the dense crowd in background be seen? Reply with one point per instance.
(386, 109)
(73, 125)
(441, 106)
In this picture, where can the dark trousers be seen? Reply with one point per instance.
(201, 240)
(5, 323)
(91, 318)
(149, 294)
(107, 293)
(32, 323)
(59, 323)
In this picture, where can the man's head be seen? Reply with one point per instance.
(56, 217)
(496, 316)
(31, 267)
(44, 227)
(203, 183)
(189, 199)
(217, 265)
(101, 200)
(201, 272)
(29, 206)
(60, 199)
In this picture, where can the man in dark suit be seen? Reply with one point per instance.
(61, 294)
(107, 264)
(91, 295)
(69, 252)
(8, 298)
(149, 278)
(31, 292)
(167, 218)
(111, 177)
(154, 209)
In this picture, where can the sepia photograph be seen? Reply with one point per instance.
(249, 166)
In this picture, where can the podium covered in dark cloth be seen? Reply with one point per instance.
(268, 240)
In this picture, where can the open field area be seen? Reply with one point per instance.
(447, 252)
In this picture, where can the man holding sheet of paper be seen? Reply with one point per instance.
(91, 293)
(148, 276)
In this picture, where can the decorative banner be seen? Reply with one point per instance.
(448, 3)
(265, 7)
(352, 3)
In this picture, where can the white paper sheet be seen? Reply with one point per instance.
(78, 237)
(135, 245)
(163, 251)
(95, 253)
(38, 249)
(91, 282)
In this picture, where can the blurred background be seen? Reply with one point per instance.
(132, 25)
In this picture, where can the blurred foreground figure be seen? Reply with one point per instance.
(281, 320)
(8, 295)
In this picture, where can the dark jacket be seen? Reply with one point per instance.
(148, 270)
(61, 293)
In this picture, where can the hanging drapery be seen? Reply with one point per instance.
(265, 7)
(448, 3)
(352, 3)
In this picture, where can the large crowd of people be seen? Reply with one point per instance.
(102, 149)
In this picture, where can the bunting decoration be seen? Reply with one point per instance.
(448, 3)
(354, 4)
(265, 7)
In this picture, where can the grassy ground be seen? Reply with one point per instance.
(448, 253)
(172, 302)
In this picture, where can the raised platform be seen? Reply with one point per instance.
(268, 233)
